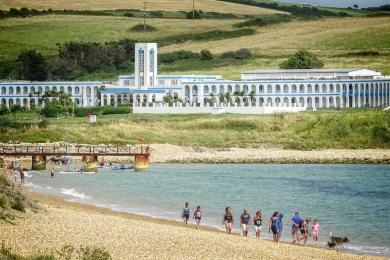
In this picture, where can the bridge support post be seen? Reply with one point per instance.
(2, 165)
(90, 163)
(38, 162)
(141, 162)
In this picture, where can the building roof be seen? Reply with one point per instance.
(57, 83)
(347, 70)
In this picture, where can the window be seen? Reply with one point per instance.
(174, 82)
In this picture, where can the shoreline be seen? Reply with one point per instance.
(63, 207)
(167, 153)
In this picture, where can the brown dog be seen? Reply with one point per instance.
(337, 241)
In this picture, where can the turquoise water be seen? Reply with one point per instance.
(348, 200)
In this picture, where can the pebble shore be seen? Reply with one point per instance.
(128, 236)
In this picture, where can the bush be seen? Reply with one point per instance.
(4, 181)
(128, 14)
(4, 202)
(263, 21)
(140, 28)
(240, 54)
(157, 14)
(197, 14)
(18, 204)
(380, 134)
(116, 110)
(177, 55)
(4, 110)
(43, 123)
(206, 55)
(339, 128)
(302, 60)
(93, 253)
(50, 111)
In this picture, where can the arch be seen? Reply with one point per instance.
(245, 101)
(309, 102)
(331, 102)
(10, 90)
(302, 101)
(112, 100)
(89, 91)
(286, 101)
(338, 102)
(286, 88)
(10, 102)
(195, 94)
(77, 102)
(261, 90)
(25, 90)
(324, 88)
(213, 89)
(221, 89)
(69, 90)
(331, 88)
(293, 101)
(269, 90)
(337, 88)
(230, 89)
(138, 98)
(47, 89)
(18, 90)
(62, 89)
(246, 89)
(317, 102)
(4, 102)
(324, 102)
(54, 89)
(144, 98)
(237, 101)
(277, 89)
(206, 89)
(277, 101)
(187, 92)
(261, 101)
(309, 89)
(18, 102)
(77, 90)
(317, 88)
(154, 98)
(302, 88)
(253, 88)
(269, 101)
(294, 88)
(40, 90)
(3, 91)
(25, 102)
(236, 88)
(32, 90)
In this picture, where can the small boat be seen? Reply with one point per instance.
(122, 167)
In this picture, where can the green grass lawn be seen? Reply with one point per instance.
(349, 128)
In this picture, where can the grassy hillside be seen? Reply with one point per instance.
(338, 41)
(173, 5)
(366, 128)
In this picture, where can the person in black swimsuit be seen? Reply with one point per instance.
(228, 220)
(257, 221)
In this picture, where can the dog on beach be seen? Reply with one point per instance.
(337, 241)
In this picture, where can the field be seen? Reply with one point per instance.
(335, 40)
(169, 5)
(354, 129)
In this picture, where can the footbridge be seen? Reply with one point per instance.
(89, 153)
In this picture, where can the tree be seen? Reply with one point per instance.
(32, 66)
(356, 6)
(14, 109)
(4, 110)
(302, 60)
(206, 55)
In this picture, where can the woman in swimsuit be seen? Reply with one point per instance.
(228, 220)
(185, 213)
(197, 216)
(257, 221)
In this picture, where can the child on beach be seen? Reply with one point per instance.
(185, 213)
(228, 220)
(197, 216)
(315, 229)
(257, 221)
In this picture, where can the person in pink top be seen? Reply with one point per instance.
(315, 230)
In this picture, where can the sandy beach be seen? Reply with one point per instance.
(128, 236)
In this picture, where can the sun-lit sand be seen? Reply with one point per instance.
(127, 236)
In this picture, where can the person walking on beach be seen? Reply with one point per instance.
(296, 224)
(228, 220)
(185, 213)
(197, 216)
(315, 230)
(257, 221)
(52, 172)
(274, 227)
(245, 222)
(304, 232)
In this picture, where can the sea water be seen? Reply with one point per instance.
(347, 200)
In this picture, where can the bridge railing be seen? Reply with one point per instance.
(7, 149)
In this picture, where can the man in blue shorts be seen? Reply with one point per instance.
(296, 224)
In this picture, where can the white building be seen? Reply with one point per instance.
(263, 91)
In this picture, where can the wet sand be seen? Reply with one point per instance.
(128, 236)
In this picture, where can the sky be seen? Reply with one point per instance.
(341, 3)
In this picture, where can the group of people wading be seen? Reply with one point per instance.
(299, 230)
